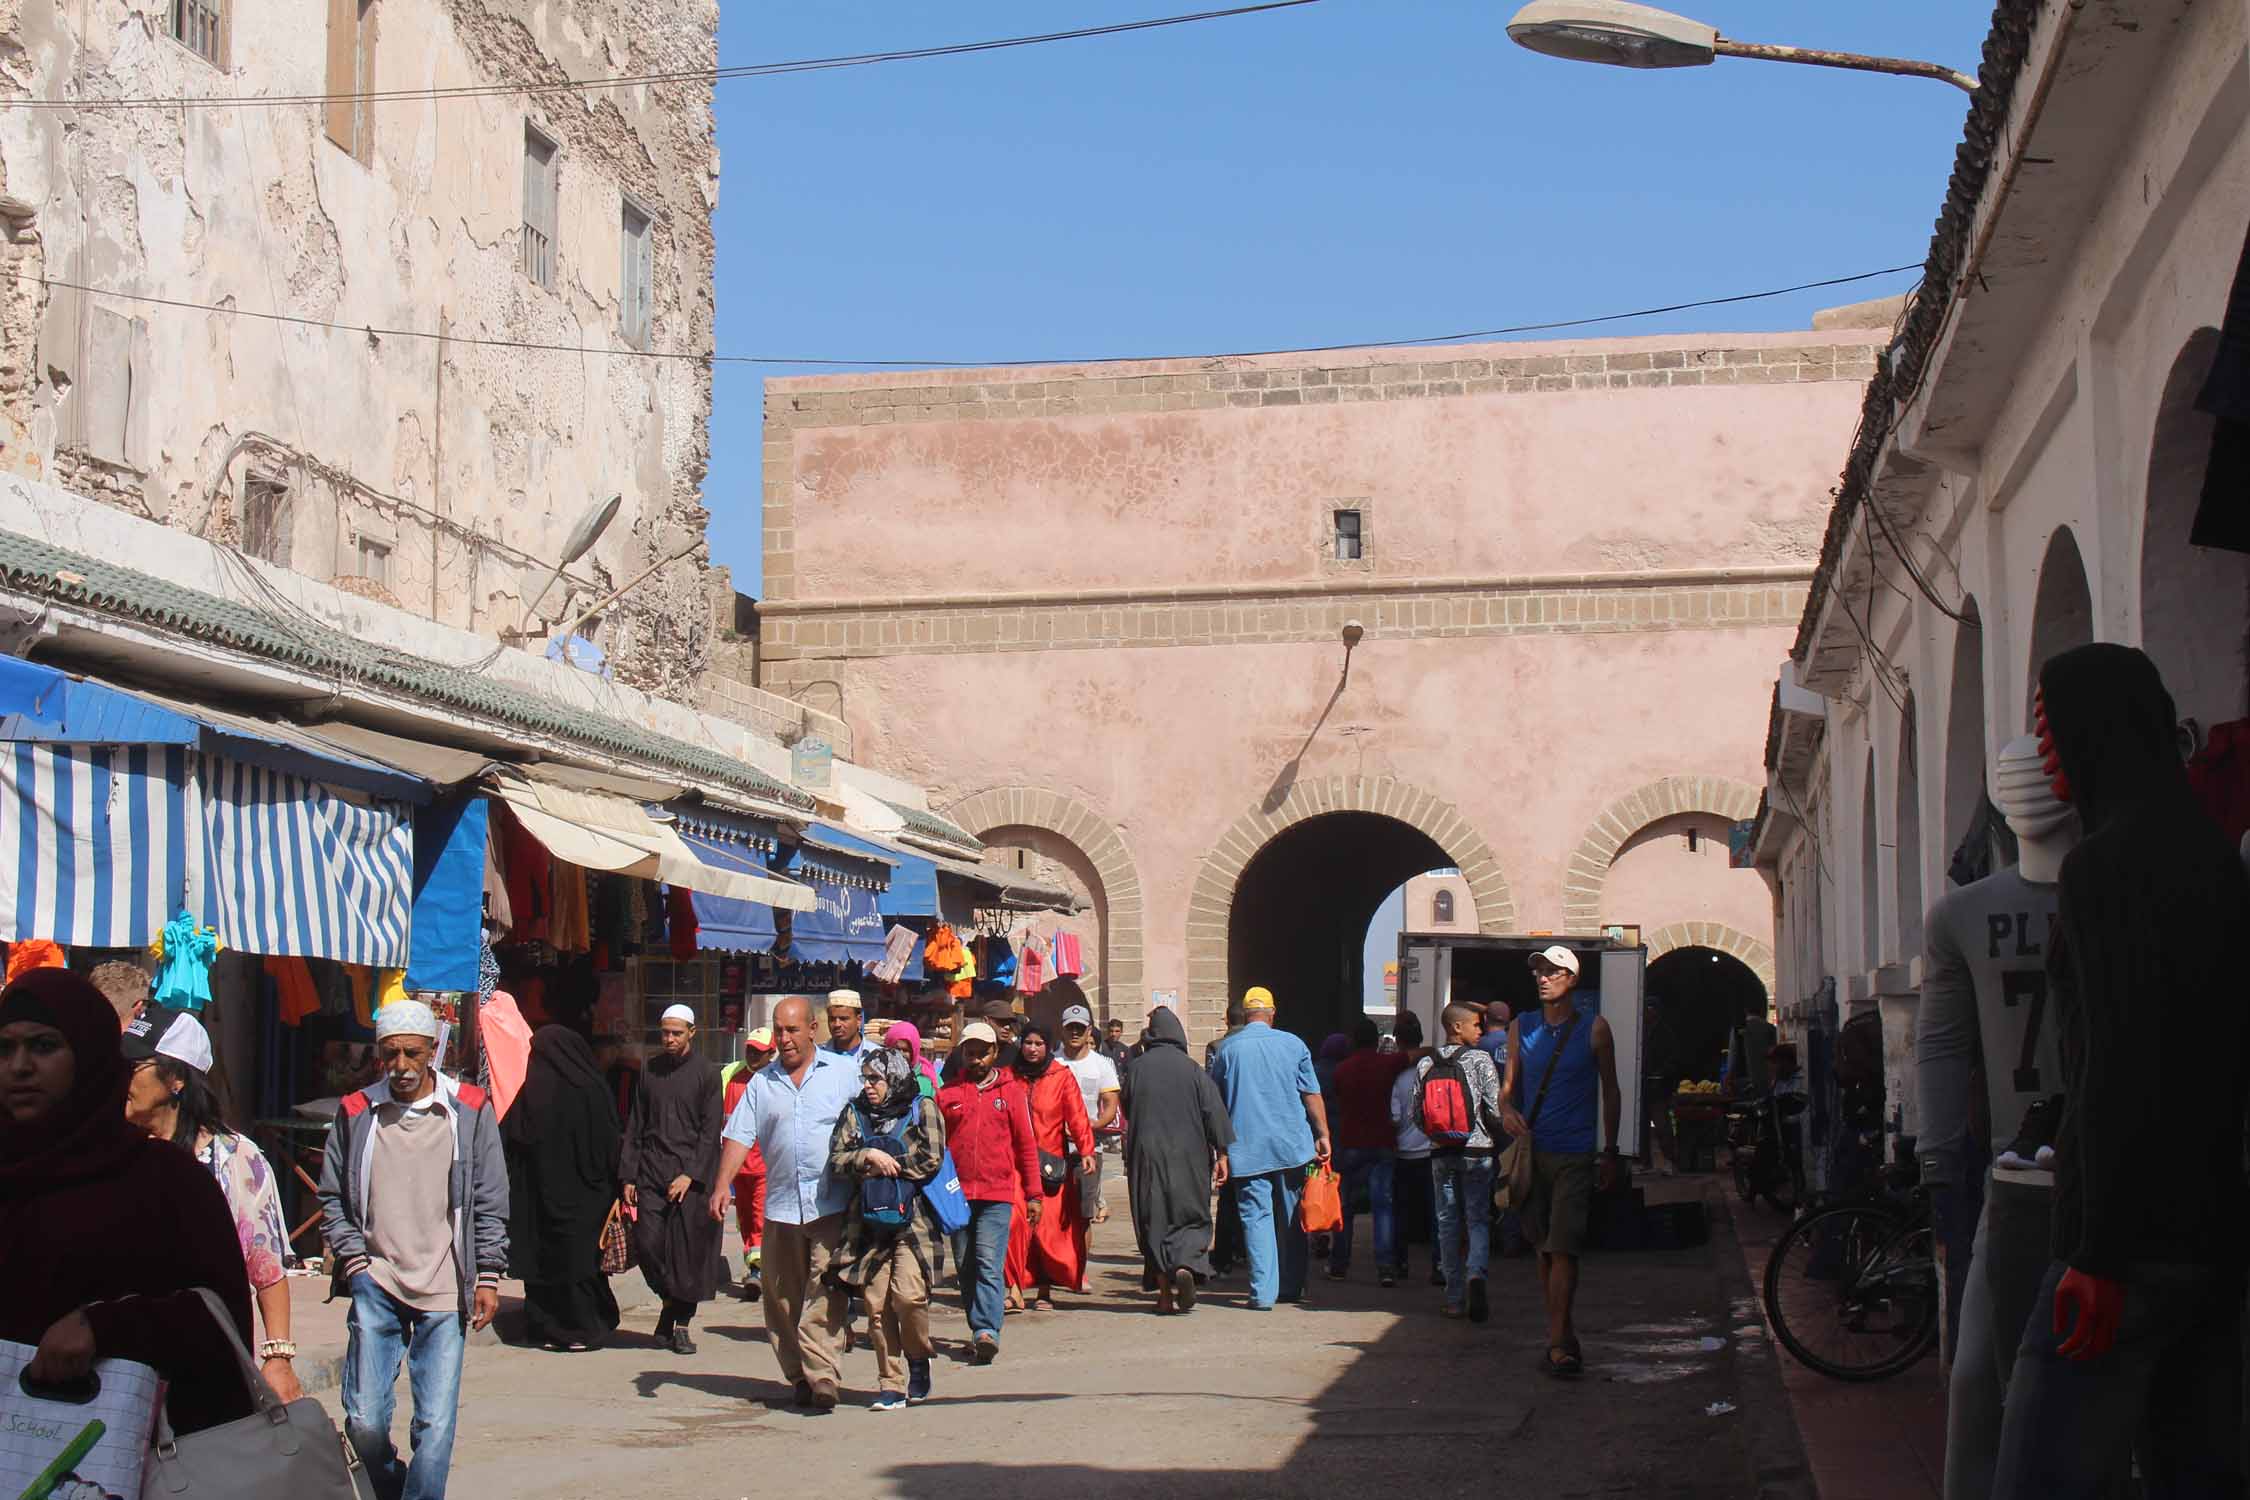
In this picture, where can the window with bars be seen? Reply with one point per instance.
(269, 517)
(200, 26)
(351, 75)
(540, 204)
(636, 278)
(1349, 539)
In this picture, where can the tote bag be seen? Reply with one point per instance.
(948, 1204)
(97, 1434)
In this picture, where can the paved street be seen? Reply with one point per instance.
(1358, 1393)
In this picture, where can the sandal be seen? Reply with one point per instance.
(1569, 1367)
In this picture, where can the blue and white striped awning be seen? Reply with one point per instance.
(98, 843)
(294, 867)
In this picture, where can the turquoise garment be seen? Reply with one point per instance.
(184, 983)
(1264, 1076)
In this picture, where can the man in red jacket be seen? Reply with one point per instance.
(988, 1130)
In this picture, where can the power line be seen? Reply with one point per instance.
(635, 80)
(626, 352)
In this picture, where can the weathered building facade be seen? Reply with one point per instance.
(394, 169)
(2026, 481)
(1104, 611)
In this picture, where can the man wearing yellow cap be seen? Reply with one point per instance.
(750, 1182)
(1280, 1128)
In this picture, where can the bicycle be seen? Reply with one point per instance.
(1762, 1149)
(1852, 1289)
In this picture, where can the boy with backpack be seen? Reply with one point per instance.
(890, 1142)
(1457, 1106)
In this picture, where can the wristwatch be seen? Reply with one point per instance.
(276, 1349)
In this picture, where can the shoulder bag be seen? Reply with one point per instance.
(1514, 1175)
(278, 1452)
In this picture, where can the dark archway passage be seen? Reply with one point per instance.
(1298, 925)
(1696, 997)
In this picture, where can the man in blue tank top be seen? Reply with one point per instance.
(1555, 1060)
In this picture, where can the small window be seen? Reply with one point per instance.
(269, 518)
(636, 295)
(371, 559)
(1348, 540)
(539, 205)
(1441, 909)
(199, 26)
(351, 75)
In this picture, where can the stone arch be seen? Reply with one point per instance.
(1588, 869)
(1103, 855)
(1756, 956)
(1212, 899)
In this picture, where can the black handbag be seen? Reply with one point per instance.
(1054, 1171)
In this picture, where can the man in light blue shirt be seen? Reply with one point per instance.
(1280, 1127)
(789, 1112)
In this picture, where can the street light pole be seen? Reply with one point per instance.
(1623, 34)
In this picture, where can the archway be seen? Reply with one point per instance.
(1586, 877)
(1094, 851)
(1964, 738)
(1285, 895)
(2062, 612)
(1697, 996)
(2195, 601)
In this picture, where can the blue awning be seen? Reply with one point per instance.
(839, 858)
(722, 923)
(721, 825)
(449, 860)
(913, 885)
(843, 927)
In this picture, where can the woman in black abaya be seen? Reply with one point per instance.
(562, 1139)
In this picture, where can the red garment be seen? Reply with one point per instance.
(679, 915)
(750, 1182)
(294, 995)
(1055, 1248)
(1070, 961)
(530, 882)
(1362, 1115)
(2220, 777)
(988, 1130)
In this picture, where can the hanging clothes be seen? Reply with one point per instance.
(999, 960)
(295, 996)
(362, 980)
(943, 954)
(898, 952)
(1031, 966)
(34, 953)
(1070, 961)
(185, 950)
(680, 918)
(496, 908)
(2219, 775)
(964, 978)
(390, 985)
(530, 885)
(569, 926)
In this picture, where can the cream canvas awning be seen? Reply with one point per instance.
(604, 832)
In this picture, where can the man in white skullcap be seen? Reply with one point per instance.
(419, 1271)
(847, 1035)
(669, 1166)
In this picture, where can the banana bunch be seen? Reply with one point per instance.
(1707, 1086)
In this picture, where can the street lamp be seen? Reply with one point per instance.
(1625, 35)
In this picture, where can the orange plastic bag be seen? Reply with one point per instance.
(1321, 1210)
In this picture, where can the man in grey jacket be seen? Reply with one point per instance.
(414, 1201)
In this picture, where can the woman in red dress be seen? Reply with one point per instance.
(1054, 1250)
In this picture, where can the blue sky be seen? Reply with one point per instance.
(1349, 170)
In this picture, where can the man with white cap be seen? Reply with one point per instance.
(669, 1166)
(1556, 1061)
(414, 1204)
(847, 1036)
(1098, 1084)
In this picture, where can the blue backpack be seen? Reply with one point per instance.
(887, 1202)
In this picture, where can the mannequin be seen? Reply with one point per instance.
(1984, 993)
(2151, 1206)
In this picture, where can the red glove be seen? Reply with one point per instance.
(2096, 1306)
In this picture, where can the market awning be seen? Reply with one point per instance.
(302, 868)
(604, 832)
(441, 765)
(725, 925)
(912, 891)
(1014, 890)
(828, 853)
(98, 843)
(844, 927)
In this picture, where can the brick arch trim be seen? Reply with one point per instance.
(1756, 956)
(1105, 849)
(1212, 899)
(1588, 870)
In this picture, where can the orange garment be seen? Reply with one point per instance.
(569, 927)
(34, 953)
(294, 993)
(1053, 1252)
(943, 953)
(362, 981)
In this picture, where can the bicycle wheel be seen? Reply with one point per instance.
(1852, 1292)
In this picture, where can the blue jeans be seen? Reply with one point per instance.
(383, 1331)
(2170, 1388)
(1464, 1221)
(1357, 1165)
(982, 1250)
(1275, 1241)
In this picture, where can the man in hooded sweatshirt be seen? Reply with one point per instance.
(1176, 1139)
(2138, 1334)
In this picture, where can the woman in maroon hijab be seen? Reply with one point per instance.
(104, 1230)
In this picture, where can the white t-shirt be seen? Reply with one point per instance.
(1096, 1076)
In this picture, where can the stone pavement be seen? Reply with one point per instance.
(1361, 1392)
(1878, 1441)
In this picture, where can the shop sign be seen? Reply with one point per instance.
(810, 763)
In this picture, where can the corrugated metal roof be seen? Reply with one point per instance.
(37, 567)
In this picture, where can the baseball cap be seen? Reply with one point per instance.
(980, 1031)
(1078, 1015)
(160, 1031)
(1561, 957)
(761, 1039)
(1257, 997)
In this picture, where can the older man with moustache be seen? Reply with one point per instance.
(789, 1113)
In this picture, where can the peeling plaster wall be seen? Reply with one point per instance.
(471, 477)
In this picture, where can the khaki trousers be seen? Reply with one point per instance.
(804, 1315)
(898, 1318)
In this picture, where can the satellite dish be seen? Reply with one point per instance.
(582, 538)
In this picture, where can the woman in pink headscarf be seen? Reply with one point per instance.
(906, 1037)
